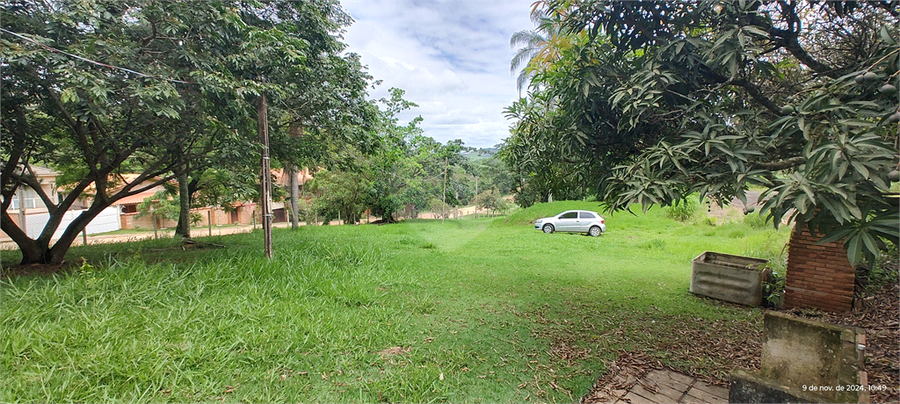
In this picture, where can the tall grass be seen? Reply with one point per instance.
(471, 310)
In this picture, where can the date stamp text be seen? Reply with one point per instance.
(845, 387)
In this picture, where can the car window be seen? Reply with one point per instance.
(569, 215)
(587, 215)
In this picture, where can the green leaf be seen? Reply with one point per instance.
(854, 249)
(756, 31)
(69, 95)
(871, 245)
(886, 36)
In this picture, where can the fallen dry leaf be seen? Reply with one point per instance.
(622, 374)
(726, 345)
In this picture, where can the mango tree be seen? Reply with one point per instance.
(662, 100)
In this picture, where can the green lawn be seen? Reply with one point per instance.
(466, 311)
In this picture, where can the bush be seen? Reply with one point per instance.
(196, 218)
(773, 290)
(775, 252)
(883, 273)
(683, 211)
(711, 221)
(755, 220)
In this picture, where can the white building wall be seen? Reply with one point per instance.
(107, 220)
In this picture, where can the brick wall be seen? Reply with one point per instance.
(818, 276)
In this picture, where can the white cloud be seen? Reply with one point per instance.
(422, 78)
(451, 58)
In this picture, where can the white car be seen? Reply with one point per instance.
(577, 221)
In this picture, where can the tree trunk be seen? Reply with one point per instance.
(32, 253)
(294, 186)
(389, 217)
(38, 251)
(183, 228)
(295, 130)
(57, 253)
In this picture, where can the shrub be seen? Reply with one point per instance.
(755, 220)
(773, 251)
(884, 271)
(683, 211)
(773, 290)
(196, 218)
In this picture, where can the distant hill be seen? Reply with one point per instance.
(481, 154)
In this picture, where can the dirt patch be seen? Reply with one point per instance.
(733, 211)
(11, 271)
(394, 350)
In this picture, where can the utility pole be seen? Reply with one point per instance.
(444, 193)
(266, 174)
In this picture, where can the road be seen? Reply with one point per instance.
(7, 244)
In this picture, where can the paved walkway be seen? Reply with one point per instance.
(666, 386)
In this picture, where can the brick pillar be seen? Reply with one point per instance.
(818, 276)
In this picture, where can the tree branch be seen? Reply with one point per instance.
(752, 89)
(14, 158)
(782, 164)
(28, 177)
(74, 124)
(789, 39)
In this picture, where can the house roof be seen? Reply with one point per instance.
(39, 171)
(136, 198)
(303, 175)
(44, 171)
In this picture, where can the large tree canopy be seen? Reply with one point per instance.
(657, 101)
(102, 88)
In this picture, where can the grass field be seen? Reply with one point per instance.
(466, 311)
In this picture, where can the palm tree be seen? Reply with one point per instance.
(538, 49)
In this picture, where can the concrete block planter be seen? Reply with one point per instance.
(729, 277)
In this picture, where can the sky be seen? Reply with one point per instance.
(451, 57)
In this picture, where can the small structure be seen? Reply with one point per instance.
(729, 277)
(819, 276)
(805, 361)
(131, 218)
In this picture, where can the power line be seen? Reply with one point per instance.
(52, 49)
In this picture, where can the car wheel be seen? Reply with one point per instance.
(594, 231)
(548, 228)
